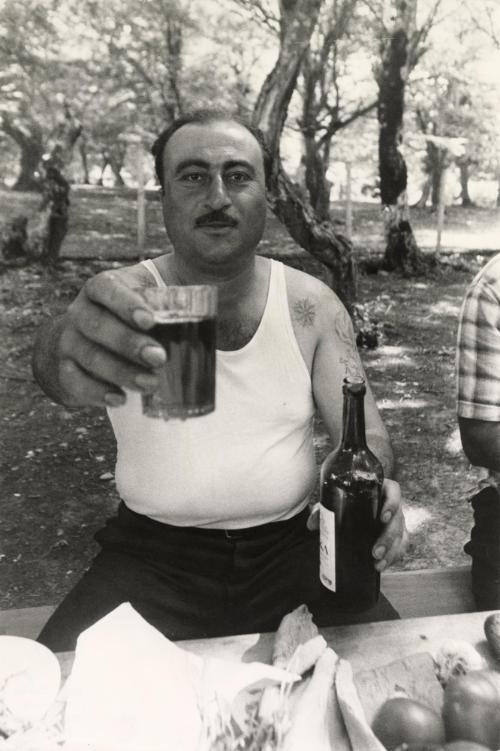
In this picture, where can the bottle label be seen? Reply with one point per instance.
(327, 548)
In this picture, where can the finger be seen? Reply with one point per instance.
(110, 290)
(387, 546)
(394, 553)
(98, 325)
(392, 500)
(84, 390)
(103, 365)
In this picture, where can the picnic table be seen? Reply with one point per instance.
(433, 603)
(365, 645)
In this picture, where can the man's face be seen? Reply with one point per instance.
(214, 204)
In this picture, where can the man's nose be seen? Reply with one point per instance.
(217, 196)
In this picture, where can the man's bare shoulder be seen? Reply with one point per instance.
(312, 303)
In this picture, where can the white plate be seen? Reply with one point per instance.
(30, 677)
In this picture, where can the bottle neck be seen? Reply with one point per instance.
(353, 431)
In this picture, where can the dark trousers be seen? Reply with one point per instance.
(484, 549)
(191, 583)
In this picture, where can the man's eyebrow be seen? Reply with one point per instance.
(239, 163)
(191, 163)
(230, 164)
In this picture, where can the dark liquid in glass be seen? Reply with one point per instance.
(187, 382)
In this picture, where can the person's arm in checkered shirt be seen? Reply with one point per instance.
(478, 375)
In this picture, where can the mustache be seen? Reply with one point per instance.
(215, 217)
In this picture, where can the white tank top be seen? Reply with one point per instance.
(249, 462)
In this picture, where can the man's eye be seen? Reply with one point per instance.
(238, 178)
(193, 178)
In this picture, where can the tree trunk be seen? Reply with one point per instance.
(116, 170)
(438, 162)
(464, 183)
(29, 139)
(105, 162)
(402, 251)
(298, 18)
(82, 147)
(436, 182)
(498, 190)
(31, 155)
(317, 185)
(51, 223)
(174, 42)
(426, 192)
(48, 227)
(116, 159)
(317, 237)
(46, 241)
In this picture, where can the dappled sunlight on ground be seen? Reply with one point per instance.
(396, 352)
(461, 240)
(445, 308)
(416, 516)
(388, 355)
(453, 444)
(403, 403)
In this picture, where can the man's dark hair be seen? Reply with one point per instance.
(201, 117)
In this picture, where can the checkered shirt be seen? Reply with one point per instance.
(478, 347)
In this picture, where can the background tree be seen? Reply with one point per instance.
(401, 44)
(451, 98)
(296, 24)
(485, 18)
(30, 70)
(333, 93)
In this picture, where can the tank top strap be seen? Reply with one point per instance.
(278, 311)
(277, 301)
(150, 266)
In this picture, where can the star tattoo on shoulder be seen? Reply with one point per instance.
(304, 312)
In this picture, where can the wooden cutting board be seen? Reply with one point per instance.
(412, 676)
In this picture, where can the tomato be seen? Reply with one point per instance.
(471, 709)
(402, 720)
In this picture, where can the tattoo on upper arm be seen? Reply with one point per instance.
(304, 312)
(345, 332)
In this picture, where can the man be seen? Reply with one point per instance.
(478, 407)
(212, 534)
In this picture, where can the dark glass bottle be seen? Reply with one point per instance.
(350, 509)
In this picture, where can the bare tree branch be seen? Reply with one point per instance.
(339, 124)
(261, 12)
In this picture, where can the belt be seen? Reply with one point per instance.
(243, 533)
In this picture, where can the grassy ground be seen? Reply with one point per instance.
(57, 464)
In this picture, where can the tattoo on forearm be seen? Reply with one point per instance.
(304, 312)
(350, 359)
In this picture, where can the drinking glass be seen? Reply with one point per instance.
(185, 326)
